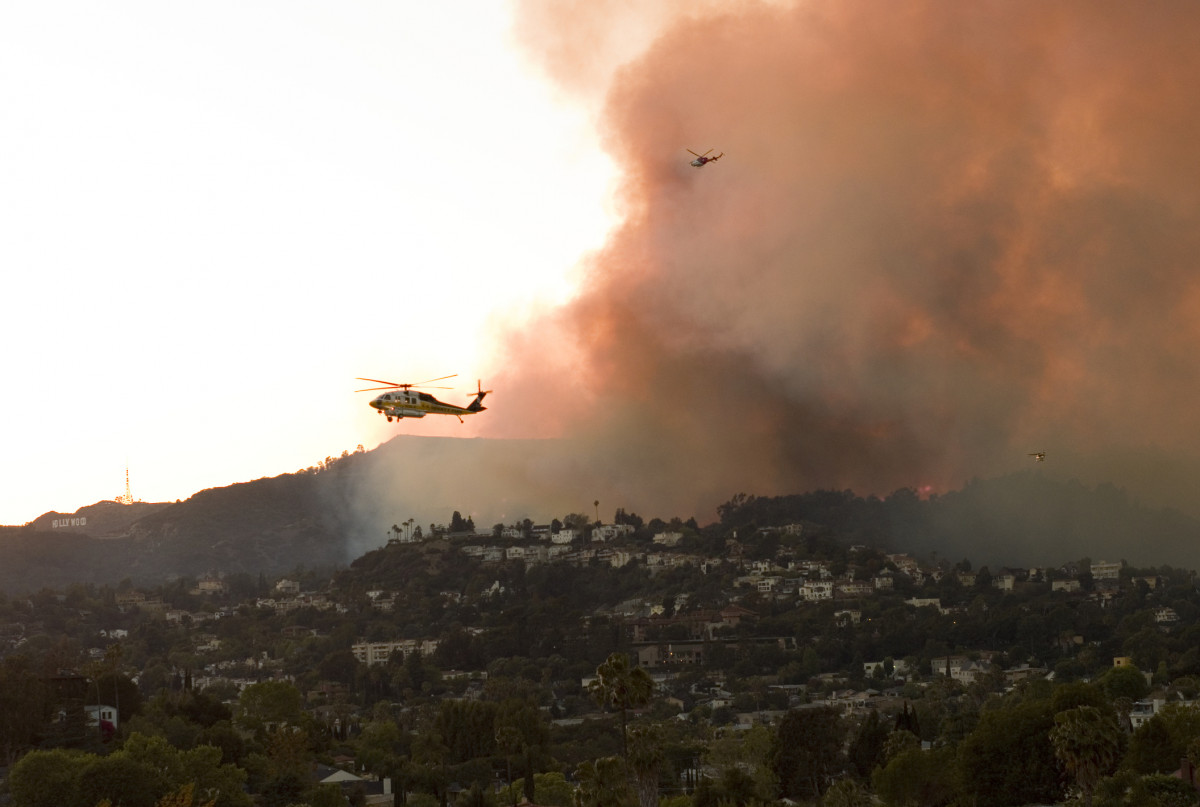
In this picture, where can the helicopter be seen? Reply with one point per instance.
(1038, 456)
(703, 159)
(404, 402)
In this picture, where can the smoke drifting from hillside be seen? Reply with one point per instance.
(942, 236)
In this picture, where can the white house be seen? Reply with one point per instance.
(814, 590)
(609, 532)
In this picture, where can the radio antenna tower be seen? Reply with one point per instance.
(128, 497)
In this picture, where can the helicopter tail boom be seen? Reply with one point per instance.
(477, 404)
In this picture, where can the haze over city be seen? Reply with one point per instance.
(942, 238)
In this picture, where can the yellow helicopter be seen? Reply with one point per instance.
(404, 402)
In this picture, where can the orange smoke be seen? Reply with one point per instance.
(942, 236)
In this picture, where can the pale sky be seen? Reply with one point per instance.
(216, 216)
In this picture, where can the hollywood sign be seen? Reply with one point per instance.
(81, 521)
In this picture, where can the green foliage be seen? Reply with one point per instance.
(1124, 682)
(467, 728)
(1151, 749)
(1087, 741)
(269, 703)
(807, 751)
(622, 686)
(144, 771)
(915, 778)
(847, 793)
(121, 780)
(1008, 758)
(603, 783)
(47, 778)
(1127, 789)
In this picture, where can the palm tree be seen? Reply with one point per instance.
(1087, 742)
(646, 758)
(623, 687)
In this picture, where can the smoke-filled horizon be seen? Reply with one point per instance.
(942, 237)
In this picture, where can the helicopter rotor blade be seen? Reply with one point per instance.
(380, 381)
(373, 389)
(423, 383)
(698, 155)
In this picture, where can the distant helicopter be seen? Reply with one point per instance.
(403, 402)
(1038, 456)
(703, 159)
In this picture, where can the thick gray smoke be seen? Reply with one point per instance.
(943, 236)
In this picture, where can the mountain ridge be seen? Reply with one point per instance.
(327, 516)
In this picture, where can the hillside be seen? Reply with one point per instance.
(328, 516)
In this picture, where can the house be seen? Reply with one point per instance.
(1106, 570)
(371, 653)
(375, 792)
(906, 564)
(210, 584)
(816, 590)
(850, 589)
(103, 717)
(287, 587)
(610, 532)
(668, 538)
(1069, 586)
(1165, 616)
(847, 617)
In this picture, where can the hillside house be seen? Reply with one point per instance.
(1004, 582)
(1166, 616)
(851, 589)
(847, 617)
(611, 532)
(371, 653)
(816, 590)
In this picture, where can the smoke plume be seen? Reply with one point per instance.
(942, 236)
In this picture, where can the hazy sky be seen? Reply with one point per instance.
(217, 215)
(943, 235)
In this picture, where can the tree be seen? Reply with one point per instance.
(121, 780)
(23, 702)
(1008, 758)
(1087, 742)
(602, 783)
(620, 686)
(846, 793)
(646, 758)
(807, 751)
(46, 778)
(509, 742)
(269, 703)
(866, 750)
(1125, 682)
(916, 777)
(1150, 749)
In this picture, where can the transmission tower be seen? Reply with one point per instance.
(128, 497)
